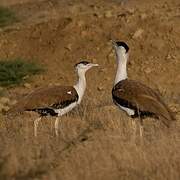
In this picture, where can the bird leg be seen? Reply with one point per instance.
(56, 126)
(141, 128)
(36, 126)
(141, 123)
(134, 128)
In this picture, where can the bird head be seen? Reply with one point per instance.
(121, 49)
(120, 46)
(83, 66)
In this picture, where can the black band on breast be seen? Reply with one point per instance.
(44, 111)
(126, 104)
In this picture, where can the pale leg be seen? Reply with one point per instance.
(56, 126)
(141, 128)
(141, 123)
(134, 128)
(36, 125)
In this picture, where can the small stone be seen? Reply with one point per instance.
(25, 77)
(148, 70)
(50, 84)
(168, 57)
(100, 88)
(80, 23)
(27, 85)
(108, 14)
(138, 34)
(171, 57)
(4, 100)
(69, 47)
(107, 78)
(97, 48)
(143, 16)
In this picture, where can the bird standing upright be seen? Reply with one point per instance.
(56, 100)
(133, 97)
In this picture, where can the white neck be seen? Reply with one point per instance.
(121, 72)
(81, 85)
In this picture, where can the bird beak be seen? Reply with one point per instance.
(92, 64)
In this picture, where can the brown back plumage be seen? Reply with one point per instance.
(143, 98)
(46, 97)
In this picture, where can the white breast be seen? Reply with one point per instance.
(130, 112)
(66, 109)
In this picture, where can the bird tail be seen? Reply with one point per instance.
(167, 117)
(15, 110)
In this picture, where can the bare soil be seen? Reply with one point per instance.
(96, 139)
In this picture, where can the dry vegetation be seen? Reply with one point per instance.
(16, 71)
(93, 144)
(96, 139)
(7, 17)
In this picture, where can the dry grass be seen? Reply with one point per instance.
(94, 143)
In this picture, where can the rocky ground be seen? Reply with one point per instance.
(58, 34)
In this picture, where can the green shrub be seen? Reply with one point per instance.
(16, 71)
(7, 17)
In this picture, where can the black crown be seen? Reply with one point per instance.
(123, 44)
(82, 62)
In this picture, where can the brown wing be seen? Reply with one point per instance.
(57, 97)
(138, 96)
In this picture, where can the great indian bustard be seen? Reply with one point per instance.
(133, 97)
(57, 100)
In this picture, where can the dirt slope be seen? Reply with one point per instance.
(59, 34)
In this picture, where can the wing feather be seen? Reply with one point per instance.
(142, 97)
(52, 97)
